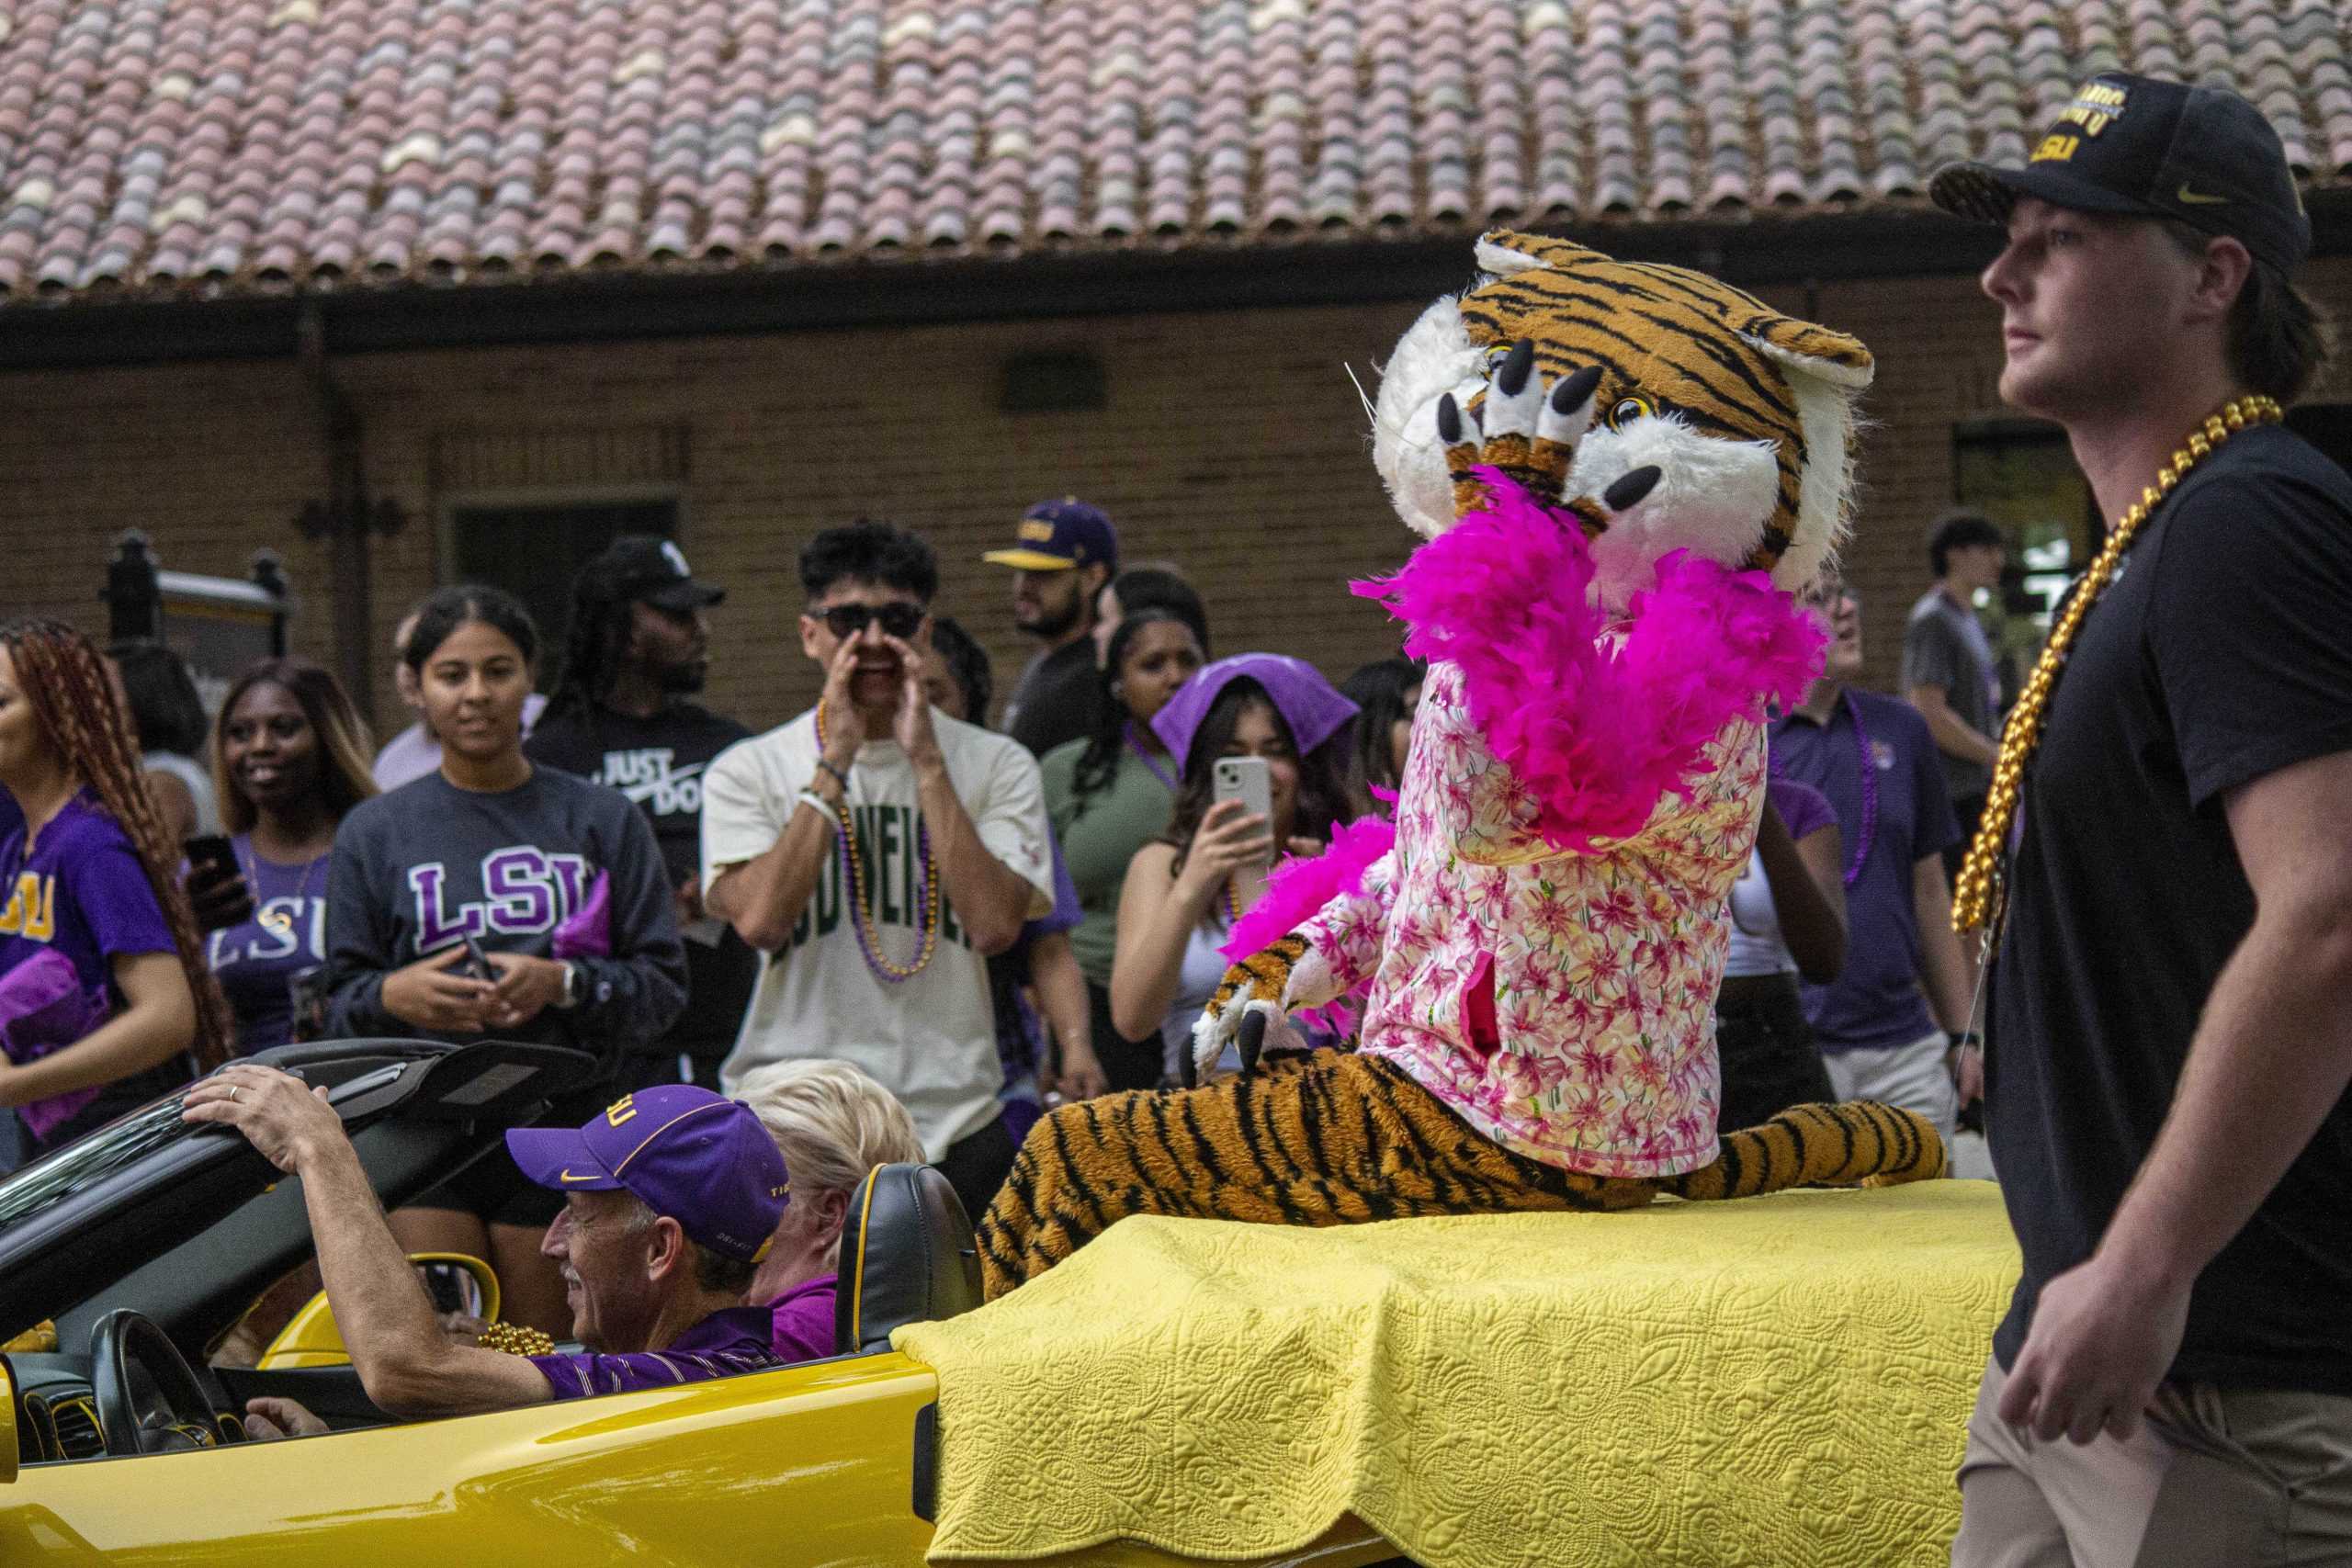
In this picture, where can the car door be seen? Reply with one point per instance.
(803, 1465)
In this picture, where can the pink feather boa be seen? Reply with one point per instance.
(1299, 887)
(1599, 721)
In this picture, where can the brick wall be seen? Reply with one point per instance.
(1232, 442)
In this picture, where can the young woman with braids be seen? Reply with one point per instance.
(558, 879)
(289, 761)
(1109, 794)
(1185, 890)
(104, 1001)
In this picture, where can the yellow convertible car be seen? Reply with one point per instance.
(145, 1244)
(1780, 1380)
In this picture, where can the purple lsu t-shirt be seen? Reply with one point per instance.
(729, 1341)
(801, 1320)
(81, 892)
(257, 962)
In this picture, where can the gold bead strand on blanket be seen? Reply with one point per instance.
(1976, 898)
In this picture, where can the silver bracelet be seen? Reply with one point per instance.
(811, 797)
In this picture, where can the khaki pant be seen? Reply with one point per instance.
(2215, 1478)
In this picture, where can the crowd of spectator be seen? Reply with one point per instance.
(885, 891)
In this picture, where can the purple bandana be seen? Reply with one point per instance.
(1307, 703)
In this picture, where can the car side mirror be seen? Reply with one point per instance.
(311, 1339)
(8, 1423)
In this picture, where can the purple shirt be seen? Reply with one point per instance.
(1804, 809)
(1876, 1000)
(801, 1320)
(731, 1340)
(257, 962)
(82, 891)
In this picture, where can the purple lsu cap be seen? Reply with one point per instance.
(1308, 703)
(701, 1158)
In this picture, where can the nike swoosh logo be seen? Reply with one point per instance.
(565, 1175)
(2193, 199)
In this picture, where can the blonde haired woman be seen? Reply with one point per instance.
(833, 1124)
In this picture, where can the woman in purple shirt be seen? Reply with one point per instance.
(289, 759)
(104, 1001)
(833, 1124)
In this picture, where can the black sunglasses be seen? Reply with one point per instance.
(898, 620)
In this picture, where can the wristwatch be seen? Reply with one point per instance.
(571, 997)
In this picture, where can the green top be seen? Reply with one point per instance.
(1098, 844)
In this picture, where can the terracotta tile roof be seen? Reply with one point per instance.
(206, 146)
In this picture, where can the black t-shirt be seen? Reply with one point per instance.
(657, 763)
(1055, 701)
(2221, 652)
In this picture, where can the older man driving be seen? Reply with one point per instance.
(671, 1196)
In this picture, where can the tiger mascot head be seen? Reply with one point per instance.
(1747, 413)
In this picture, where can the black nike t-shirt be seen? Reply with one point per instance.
(2221, 652)
(657, 763)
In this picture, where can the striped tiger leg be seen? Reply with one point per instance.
(1328, 1138)
(1857, 1142)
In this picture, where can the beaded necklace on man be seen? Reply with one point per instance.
(861, 911)
(1866, 766)
(1979, 900)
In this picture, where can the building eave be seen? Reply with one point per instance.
(1753, 250)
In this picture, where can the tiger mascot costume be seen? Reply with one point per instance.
(1604, 601)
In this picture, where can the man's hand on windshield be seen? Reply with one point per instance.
(281, 1116)
(268, 1418)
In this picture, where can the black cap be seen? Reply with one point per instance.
(647, 567)
(2137, 146)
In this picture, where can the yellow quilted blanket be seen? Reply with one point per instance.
(1780, 1380)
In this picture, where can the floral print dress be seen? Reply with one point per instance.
(1563, 1004)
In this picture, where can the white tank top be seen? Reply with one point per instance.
(1756, 944)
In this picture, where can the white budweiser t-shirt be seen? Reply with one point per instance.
(931, 1040)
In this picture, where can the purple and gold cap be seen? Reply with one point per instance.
(699, 1157)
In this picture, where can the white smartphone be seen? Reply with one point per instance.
(1247, 780)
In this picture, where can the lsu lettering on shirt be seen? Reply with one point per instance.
(420, 869)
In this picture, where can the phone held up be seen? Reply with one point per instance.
(1247, 780)
(210, 855)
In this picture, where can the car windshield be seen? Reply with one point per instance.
(113, 1147)
(121, 1143)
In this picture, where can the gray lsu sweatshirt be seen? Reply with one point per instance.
(419, 869)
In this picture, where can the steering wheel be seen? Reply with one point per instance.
(176, 1416)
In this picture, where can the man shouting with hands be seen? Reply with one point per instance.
(876, 851)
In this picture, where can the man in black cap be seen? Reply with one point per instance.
(1063, 553)
(637, 647)
(2165, 862)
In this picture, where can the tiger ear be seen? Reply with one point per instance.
(1502, 252)
(1811, 350)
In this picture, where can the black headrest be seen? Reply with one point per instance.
(907, 1257)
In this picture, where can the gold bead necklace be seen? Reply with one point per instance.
(1977, 900)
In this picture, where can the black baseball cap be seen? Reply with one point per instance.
(647, 567)
(2137, 146)
(1055, 536)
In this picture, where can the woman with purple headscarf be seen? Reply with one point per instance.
(1184, 891)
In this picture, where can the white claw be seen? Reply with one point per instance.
(1517, 415)
(1568, 428)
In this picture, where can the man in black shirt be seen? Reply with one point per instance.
(637, 648)
(2166, 1095)
(1062, 555)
